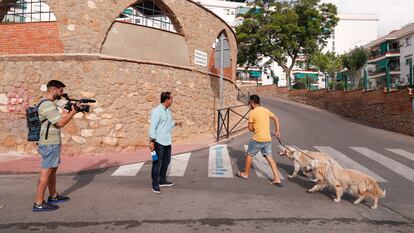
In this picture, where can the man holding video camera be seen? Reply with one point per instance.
(49, 146)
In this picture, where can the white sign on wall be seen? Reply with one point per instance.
(200, 58)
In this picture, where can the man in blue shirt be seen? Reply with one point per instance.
(160, 131)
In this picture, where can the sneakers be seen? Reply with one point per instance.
(156, 190)
(166, 184)
(162, 184)
(57, 199)
(44, 207)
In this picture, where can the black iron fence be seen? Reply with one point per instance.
(243, 96)
(226, 118)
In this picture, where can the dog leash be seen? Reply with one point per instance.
(285, 142)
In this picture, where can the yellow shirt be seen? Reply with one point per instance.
(260, 117)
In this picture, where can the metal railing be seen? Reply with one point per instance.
(243, 96)
(393, 67)
(375, 55)
(224, 128)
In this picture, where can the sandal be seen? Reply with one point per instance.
(238, 174)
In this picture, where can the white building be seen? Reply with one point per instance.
(224, 9)
(391, 59)
(352, 30)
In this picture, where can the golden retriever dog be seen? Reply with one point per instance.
(342, 179)
(301, 158)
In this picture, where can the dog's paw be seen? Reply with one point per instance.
(291, 176)
(337, 200)
(311, 190)
(356, 202)
(374, 207)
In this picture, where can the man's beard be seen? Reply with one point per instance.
(58, 97)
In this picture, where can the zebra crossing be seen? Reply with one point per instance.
(221, 165)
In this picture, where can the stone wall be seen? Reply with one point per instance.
(83, 25)
(125, 91)
(126, 88)
(392, 110)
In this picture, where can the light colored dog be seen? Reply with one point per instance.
(301, 158)
(341, 179)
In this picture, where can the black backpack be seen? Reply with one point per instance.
(34, 124)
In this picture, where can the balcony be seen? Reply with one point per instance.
(389, 53)
(379, 72)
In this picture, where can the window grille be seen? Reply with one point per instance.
(147, 13)
(25, 11)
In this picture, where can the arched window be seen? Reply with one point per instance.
(150, 13)
(215, 62)
(25, 11)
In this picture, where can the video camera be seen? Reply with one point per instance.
(82, 108)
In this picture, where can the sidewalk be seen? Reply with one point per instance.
(31, 164)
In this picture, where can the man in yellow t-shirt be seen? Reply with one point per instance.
(259, 124)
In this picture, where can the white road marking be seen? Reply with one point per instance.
(128, 170)
(403, 153)
(219, 164)
(393, 165)
(346, 162)
(178, 164)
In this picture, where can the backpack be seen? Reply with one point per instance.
(34, 124)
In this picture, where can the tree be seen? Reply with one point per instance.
(283, 31)
(327, 63)
(354, 61)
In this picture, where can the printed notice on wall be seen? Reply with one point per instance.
(200, 58)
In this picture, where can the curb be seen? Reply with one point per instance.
(196, 148)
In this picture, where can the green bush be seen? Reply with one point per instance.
(299, 85)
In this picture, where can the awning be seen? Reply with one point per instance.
(306, 75)
(382, 64)
(255, 73)
(128, 11)
(384, 47)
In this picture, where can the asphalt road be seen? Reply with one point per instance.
(107, 201)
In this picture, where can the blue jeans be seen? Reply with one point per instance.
(159, 167)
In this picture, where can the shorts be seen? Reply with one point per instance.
(254, 147)
(50, 155)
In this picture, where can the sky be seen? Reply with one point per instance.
(392, 14)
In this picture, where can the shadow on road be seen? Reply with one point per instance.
(85, 177)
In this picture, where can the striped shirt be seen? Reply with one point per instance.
(48, 110)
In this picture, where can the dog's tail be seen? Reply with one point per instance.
(375, 189)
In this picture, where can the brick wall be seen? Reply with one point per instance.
(392, 111)
(30, 38)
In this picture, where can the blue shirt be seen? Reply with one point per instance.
(162, 124)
